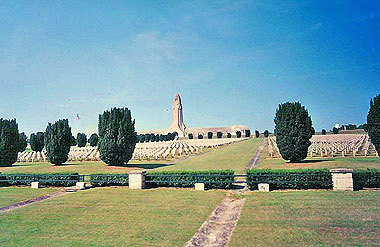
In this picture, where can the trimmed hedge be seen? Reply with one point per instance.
(290, 179)
(366, 178)
(213, 179)
(99, 180)
(55, 179)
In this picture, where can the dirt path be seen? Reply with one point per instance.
(218, 228)
(255, 159)
(30, 201)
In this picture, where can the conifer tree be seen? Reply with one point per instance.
(266, 133)
(37, 141)
(9, 142)
(117, 136)
(248, 133)
(257, 133)
(93, 140)
(238, 134)
(58, 141)
(81, 140)
(373, 122)
(209, 135)
(293, 131)
(23, 142)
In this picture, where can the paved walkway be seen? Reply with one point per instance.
(255, 159)
(217, 229)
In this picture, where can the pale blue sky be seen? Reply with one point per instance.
(232, 62)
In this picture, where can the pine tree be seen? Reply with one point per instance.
(219, 134)
(58, 141)
(324, 132)
(9, 142)
(257, 133)
(229, 135)
(93, 140)
(117, 136)
(248, 133)
(266, 133)
(373, 122)
(335, 131)
(238, 134)
(81, 139)
(293, 131)
(23, 142)
(37, 141)
(191, 136)
(209, 135)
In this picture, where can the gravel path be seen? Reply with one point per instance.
(255, 159)
(218, 228)
(30, 201)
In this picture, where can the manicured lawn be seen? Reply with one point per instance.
(110, 217)
(11, 195)
(309, 218)
(347, 162)
(235, 157)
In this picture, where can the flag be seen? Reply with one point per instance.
(78, 116)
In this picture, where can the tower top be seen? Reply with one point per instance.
(177, 117)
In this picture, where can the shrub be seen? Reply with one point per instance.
(257, 133)
(157, 138)
(162, 138)
(117, 136)
(323, 132)
(238, 134)
(57, 141)
(9, 142)
(81, 139)
(147, 137)
(99, 180)
(293, 131)
(290, 179)
(37, 141)
(219, 134)
(22, 142)
(55, 179)
(373, 122)
(209, 135)
(152, 137)
(142, 138)
(335, 131)
(191, 136)
(200, 136)
(366, 178)
(248, 133)
(93, 140)
(266, 133)
(229, 135)
(73, 141)
(222, 179)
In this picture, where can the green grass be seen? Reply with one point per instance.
(309, 218)
(110, 217)
(11, 195)
(235, 156)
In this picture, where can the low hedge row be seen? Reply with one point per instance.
(55, 179)
(366, 178)
(290, 179)
(217, 179)
(99, 180)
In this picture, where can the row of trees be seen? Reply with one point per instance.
(155, 137)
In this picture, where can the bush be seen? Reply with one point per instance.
(23, 143)
(324, 132)
(238, 134)
(162, 138)
(248, 133)
(57, 141)
(366, 178)
(117, 136)
(266, 133)
(37, 141)
(293, 131)
(73, 141)
(373, 122)
(221, 179)
(99, 180)
(93, 140)
(290, 179)
(152, 137)
(335, 131)
(219, 134)
(191, 136)
(157, 138)
(9, 142)
(142, 138)
(81, 139)
(200, 136)
(147, 137)
(257, 133)
(229, 135)
(55, 179)
(209, 135)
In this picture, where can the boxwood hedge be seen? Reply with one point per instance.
(99, 180)
(290, 179)
(366, 178)
(54, 179)
(218, 179)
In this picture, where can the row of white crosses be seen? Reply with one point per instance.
(332, 146)
(143, 151)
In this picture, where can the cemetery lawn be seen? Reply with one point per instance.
(235, 156)
(316, 163)
(11, 195)
(309, 218)
(110, 217)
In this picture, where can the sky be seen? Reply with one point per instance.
(232, 62)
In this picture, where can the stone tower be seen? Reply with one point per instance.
(177, 117)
